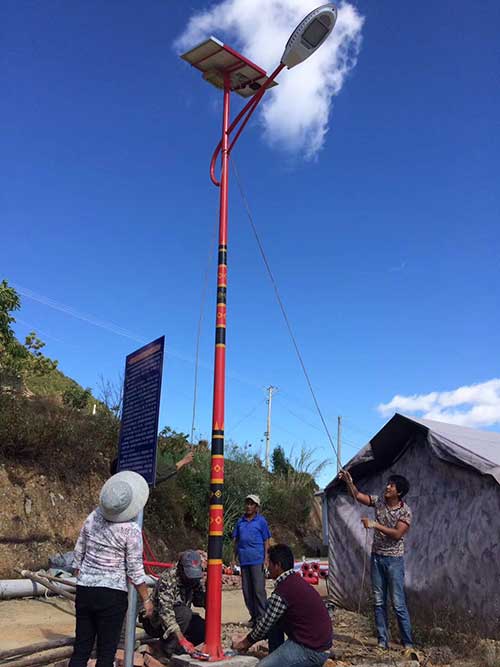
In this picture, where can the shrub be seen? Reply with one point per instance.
(67, 442)
(77, 397)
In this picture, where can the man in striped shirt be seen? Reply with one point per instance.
(295, 609)
(393, 519)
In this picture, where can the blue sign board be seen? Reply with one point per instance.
(140, 412)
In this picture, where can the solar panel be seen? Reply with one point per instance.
(214, 59)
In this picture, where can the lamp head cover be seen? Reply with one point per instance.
(309, 35)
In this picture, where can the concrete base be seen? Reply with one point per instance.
(249, 661)
(234, 661)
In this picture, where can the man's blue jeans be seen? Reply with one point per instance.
(291, 654)
(388, 575)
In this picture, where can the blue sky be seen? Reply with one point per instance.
(384, 242)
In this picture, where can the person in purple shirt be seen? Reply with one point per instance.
(296, 609)
(251, 543)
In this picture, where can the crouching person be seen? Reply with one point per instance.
(173, 620)
(295, 608)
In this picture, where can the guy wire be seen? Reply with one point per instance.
(281, 305)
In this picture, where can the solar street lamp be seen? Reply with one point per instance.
(230, 71)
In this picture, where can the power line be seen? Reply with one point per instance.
(304, 421)
(68, 310)
(246, 416)
(356, 428)
(295, 400)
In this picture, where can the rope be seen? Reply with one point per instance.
(198, 336)
(281, 305)
(365, 551)
(358, 625)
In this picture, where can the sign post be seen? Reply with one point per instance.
(139, 440)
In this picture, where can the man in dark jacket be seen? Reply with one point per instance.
(295, 609)
(173, 620)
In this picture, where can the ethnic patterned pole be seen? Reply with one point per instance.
(213, 644)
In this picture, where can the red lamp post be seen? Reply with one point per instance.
(230, 71)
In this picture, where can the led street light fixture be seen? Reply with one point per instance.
(309, 35)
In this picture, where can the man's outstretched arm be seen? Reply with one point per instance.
(186, 460)
(361, 497)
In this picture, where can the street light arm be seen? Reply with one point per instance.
(257, 98)
(244, 114)
(249, 109)
(212, 164)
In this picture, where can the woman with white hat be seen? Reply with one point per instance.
(107, 554)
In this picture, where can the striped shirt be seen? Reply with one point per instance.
(383, 545)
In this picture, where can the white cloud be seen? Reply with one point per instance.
(471, 405)
(295, 114)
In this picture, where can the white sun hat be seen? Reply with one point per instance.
(123, 496)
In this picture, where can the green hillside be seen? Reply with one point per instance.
(52, 384)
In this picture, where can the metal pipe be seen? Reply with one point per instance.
(130, 620)
(58, 590)
(213, 645)
(250, 108)
(24, 588)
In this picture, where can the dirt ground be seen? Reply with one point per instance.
(28, 621)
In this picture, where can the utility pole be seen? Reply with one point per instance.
(269, 390)
(339, 442)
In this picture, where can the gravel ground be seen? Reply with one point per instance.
(28, 621)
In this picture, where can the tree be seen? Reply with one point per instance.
(111, 394)
(173, 443)
(17, 360)
(34, 361)
(77, 397)
(281, 465)
(9, 301)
